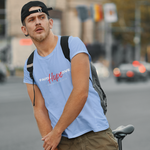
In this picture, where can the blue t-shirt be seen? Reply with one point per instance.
(52, 75)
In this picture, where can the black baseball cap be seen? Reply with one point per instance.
(25, 9)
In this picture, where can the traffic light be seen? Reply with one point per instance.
(98, 12)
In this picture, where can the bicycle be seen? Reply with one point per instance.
(121, 132)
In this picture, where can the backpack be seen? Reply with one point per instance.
(66, 51)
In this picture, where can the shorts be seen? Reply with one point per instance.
(103, 140)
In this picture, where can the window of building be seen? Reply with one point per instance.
(2, 18)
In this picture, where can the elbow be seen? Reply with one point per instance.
(81, 93)
(37, 113)
(40, 112)
(84, 95)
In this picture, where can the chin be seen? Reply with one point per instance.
(38, 38)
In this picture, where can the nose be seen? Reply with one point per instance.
(37, 22)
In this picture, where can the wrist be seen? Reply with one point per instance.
(58, 130)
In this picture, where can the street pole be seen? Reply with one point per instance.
(108, 44)
(137, 38)
(83, 16)
(110, 15)
(82, 30)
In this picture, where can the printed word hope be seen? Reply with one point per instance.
(55, 77)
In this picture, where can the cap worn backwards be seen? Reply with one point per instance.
(25, 9)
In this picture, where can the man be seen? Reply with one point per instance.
(67, 108)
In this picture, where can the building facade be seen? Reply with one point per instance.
(66, 22)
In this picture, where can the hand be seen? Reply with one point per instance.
(51, 140)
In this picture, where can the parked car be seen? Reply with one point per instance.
(3, 72)
(143, 69)
(130, 72)
(102, 71)
(147, 66)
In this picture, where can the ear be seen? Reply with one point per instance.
(51, 23)
(24, 30)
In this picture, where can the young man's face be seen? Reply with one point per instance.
(37, 25)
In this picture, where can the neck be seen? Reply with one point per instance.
(45, 47)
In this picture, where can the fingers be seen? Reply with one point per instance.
(45, 144)
(48, 146)
(43, 139)
(51, 141)
(54, 148)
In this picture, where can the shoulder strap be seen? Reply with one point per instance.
(65, 47)
(94, 74)
(30, 69)
(30, 62)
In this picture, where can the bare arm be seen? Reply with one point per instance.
(40, 111)
(80, 79)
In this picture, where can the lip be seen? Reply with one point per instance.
(39, 29)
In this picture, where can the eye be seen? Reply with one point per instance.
(31, 19)
(42, 17)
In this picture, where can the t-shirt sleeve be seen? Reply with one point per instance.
(27, 78)
(76, 46)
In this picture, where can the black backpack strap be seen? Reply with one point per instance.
(30, 69)
(30, 63)
(94, 74)
(95, 77)
(97, 86)
(65, 47)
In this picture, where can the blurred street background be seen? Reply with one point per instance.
(117, 36)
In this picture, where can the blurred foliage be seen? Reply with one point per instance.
(124, 28)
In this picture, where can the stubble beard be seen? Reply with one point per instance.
(40, 38)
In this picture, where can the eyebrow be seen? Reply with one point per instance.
(43, 14)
